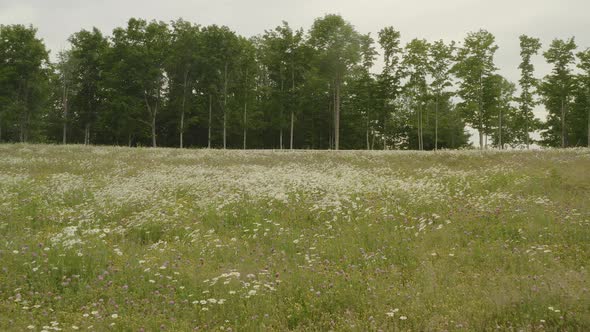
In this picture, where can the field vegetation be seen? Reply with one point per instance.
(132, 239)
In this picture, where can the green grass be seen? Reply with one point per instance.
(129, 239)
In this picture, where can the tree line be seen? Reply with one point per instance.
(180, 84)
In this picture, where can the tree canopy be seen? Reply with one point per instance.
(152, 83)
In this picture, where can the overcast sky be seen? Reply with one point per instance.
(430, 19)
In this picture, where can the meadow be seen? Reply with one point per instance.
(133, 239)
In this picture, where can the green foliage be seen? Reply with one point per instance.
(23, 83)
(475, 64)
(557, 90)
(525, 121)
(182, 84)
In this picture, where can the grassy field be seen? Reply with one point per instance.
(163, 239)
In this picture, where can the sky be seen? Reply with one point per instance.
(430, 19)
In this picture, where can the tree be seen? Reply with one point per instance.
(183, 67)
(557, 89)
(498, 100)
(283, 54)
(441, 60)
(416, 69)
(222, 47)
(337, 45)
(67, 67)
(475, 63)
(143, 47)
(247, 67)
(367, 82)
(88, 53)
(23, 77)
(584, 79)
(390, 77)
(529, 47)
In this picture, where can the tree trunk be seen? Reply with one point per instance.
(292, 104)
(421, 135)
(154, 131)
(152, 113)
(154, 122)
(24, 118)
(526, 123)
(480, 109)
(65, 107)
(367, 133)
(87, 134)
(480, 138)
(337, 115)
(281, 114)
(292, 125)
(245, 108)
(562, 123)
(384, 133)
(183, 108)
(586, 106)
(500, 132)
(245, 117)
(436, 124)
(225, 106)
(209, 131)
(330, 123)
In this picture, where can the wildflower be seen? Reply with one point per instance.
(403, 317)
(114, 316)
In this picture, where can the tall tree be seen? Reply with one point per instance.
(367, 83)
(247, 68)
(337, 45)
(416, 69)
(498, 100)
(144, 47)
(557, 89)
(529, 47)
(584, 79)
(441, 60)
(23, 77)
(390, 77)
(88, 53)
(283, 55)
(475, 63)
(66, 67)
(183, 68)
(222, 47)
